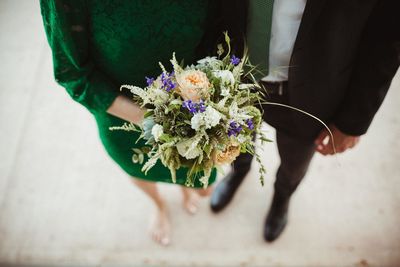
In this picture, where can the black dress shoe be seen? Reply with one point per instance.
(225, 190)
(276, 219)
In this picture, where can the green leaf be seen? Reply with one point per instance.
(264, 139)
(149, 113)
(207, 149)
(174, 107)
(166, 138)
(176, 102)
(227, 39)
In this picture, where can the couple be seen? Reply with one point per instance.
(333, 59)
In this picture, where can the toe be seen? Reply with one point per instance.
(165, 241)
(191, 208)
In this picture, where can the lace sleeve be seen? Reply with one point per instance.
(65, 23)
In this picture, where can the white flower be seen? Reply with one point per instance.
(238, 114)
(226, 76)
(210, 118)
(213, 62)
(158, 96)
(243, 138)
(197, 121)
(246, 86)
(147, 126)
(225, 91)
(157, 131)
(188, 148)
(193, 85)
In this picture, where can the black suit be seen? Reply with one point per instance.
(344, 58)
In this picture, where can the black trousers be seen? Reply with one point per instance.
(295, 153)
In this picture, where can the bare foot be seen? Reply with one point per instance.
(190, 200)
(160, 228)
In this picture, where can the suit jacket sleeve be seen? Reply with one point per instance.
(65, 24)
(376, 64)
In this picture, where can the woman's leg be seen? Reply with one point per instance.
(191, 197)
(160, 228)
(190, 200)
(205, 192)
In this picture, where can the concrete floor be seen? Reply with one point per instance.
(63, 202)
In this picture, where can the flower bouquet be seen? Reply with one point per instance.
(199, 116)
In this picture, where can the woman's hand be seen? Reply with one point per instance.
(126, 109)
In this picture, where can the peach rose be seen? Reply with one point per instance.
(227, 156)
(193, 85)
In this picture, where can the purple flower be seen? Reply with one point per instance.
(194, 107)
(149, 81)
(234, 128)
(190, 105)
(235, 60)
(201, 106)
(166, 80)
(250, 124)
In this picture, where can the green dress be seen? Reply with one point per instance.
(99, 45)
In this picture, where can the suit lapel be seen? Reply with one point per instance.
(235, 13)
(311, 12)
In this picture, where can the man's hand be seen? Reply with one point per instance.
(341, 140)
